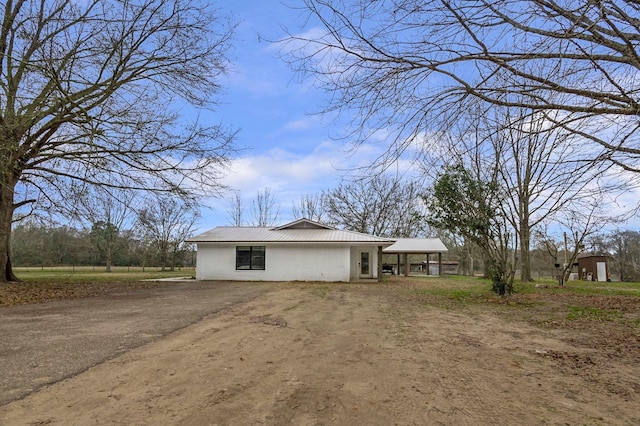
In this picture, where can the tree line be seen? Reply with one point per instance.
(111, 229)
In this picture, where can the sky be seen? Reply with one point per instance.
(287, 147)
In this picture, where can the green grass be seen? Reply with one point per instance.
(457, 294)
(452, 291)
(589, 288)
(68, 274)
(444, 291)
(594, 314)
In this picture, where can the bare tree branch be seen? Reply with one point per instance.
(98, 92)
(405, 65)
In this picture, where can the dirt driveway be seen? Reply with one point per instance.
(356, 354)
(47, 342)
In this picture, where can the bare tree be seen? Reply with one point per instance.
(624, 247)
(264, 211)
(541, 168)
(548, 246)
(235, 211)
(167, 223)
(312, 207)
(382, 205)
(405, 65)
(105, 212)
(87, 93)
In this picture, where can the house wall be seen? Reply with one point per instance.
(291, 262)
(355, 261)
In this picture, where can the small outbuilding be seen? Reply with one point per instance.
(302, 250)
(593, 267)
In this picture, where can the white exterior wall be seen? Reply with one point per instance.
(355, 262)
(290, 262)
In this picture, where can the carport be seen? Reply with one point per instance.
(403, 247)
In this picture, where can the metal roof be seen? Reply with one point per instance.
(416, 245)
(284, 234)
(307, 231)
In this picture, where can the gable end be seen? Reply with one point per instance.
(303, 224)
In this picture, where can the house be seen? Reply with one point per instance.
(302, 250)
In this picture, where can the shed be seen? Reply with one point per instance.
(403, 247)
(593, 267)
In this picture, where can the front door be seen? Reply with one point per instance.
(365, 264)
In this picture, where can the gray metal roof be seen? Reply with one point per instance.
(416, 245)
(285, 234)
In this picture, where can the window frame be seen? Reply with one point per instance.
(255, 260)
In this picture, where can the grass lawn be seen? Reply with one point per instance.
(578, 304)
(41, 284)
(67, 274)
(468, 288)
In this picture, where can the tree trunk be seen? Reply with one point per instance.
(163, 256)
(107, 267)
(487, 268)
(6, 216)
(525, 255)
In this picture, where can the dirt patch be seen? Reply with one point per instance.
(19, 293)
(360, 354)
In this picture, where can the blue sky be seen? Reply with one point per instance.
(287, 146)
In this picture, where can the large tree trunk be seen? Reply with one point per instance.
(107, 267)
(525, 255)
(6, 216)
(163, 256)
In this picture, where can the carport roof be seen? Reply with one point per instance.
(416, 245)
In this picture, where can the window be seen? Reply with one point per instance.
(250, 257)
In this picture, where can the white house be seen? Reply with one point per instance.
(299, 251)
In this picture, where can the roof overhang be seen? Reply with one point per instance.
(416, 246)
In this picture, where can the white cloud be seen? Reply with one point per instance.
(296, 125)
(289, 176)
(281, 170)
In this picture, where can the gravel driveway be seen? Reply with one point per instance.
(48, 342)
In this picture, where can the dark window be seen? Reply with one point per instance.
(250, 257)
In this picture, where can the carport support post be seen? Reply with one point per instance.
(406, 265)
(379, 263)
(428, 265)
(440, 264)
